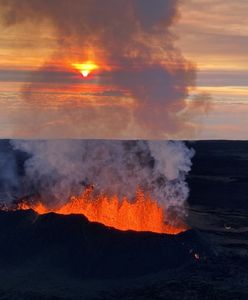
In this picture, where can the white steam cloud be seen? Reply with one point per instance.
(58, 169)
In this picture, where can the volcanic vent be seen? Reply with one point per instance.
(143, 214)
(134, 185)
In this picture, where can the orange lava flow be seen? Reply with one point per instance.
(143, 214)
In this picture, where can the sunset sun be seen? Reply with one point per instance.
(85, 68)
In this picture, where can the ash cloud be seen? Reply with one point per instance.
(133, 38)
(58, 169)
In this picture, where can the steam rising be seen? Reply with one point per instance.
(140, 93)
(59, 169)
(144, 87)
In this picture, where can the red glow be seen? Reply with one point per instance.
(85, 68)
(143, 214)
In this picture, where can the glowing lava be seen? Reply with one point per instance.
(85, 68)
(143, 214)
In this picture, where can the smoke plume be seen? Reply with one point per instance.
(57, 170)
(139, 92)
(9, 180)
(144, 78)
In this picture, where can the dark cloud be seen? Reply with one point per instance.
(159, 12)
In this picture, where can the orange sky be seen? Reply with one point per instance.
(209, 34)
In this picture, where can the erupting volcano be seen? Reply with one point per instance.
(143, 214)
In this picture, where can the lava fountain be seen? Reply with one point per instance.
(127, 185)
(142, 214)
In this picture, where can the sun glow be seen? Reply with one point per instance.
(85, 68)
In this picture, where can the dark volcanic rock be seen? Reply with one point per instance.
(83, 249)
(66, 257)
(219, 174)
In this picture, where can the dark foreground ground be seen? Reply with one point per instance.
(56, 257)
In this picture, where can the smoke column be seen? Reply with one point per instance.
(59, 169)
